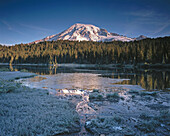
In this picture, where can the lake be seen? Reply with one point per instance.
(104, 91)
(86, 76)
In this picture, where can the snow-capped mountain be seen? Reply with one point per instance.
(141, 37)
(87, 32)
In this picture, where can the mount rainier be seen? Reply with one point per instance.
(87, 32)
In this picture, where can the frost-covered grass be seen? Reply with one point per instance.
(150, 123)
(134, 91)
(8, 86)
(4, 69)
(15, 75)
(96, 90)
(113, 96)
(105, 125)
(143, 93)
(34, 113)
(24, 70)
(117, 125)
(96, 95)
(30, 112)
(148, 126)
(142, 113)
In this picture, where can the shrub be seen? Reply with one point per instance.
(113, 96)
(24, 70)
(96, 96)
(148, 93)
(4, 69)
(104, 125)
(134, 92)
(148, 126)
(95, 91)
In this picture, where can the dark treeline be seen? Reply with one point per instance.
(148, 51)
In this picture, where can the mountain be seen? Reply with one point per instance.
(87, 32)
(1, 44)
(141, 37)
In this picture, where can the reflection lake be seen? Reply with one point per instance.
(104, 91)
(84, 76)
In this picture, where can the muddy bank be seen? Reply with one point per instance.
(25, 111)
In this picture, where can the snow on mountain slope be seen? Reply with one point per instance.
(86, 32)
(141, 37)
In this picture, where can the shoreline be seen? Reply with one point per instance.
(119, 112)
(139, 65)
(33, 111)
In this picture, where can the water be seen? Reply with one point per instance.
(81, 79)
(90, 77)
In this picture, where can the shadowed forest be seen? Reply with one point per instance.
(147, 51)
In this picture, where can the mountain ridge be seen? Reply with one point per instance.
(88, 32)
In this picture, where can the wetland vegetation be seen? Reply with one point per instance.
(94, 101)
(122, 89)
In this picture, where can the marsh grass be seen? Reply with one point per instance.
(4, 69)
(104, 125)
(99, 96)
(7, 86)
(143, 93)
(151, 123)
(96, 91)
(134, 92)
(148, 126)
(96, 96)
(30, 112)
(114, 96)
(24, 70)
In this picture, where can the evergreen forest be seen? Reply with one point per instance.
(147, 51)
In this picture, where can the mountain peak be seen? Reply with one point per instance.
(80, 24)
(87, 32)
(141, 37)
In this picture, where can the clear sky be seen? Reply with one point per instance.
(23, 21)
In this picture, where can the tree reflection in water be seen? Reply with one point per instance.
(148, 79)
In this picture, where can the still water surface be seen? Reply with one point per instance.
(90, 76)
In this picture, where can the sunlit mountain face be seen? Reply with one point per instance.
(88, 32)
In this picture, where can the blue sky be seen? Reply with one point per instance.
(23, 21)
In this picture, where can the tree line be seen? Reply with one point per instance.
(148, 51)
